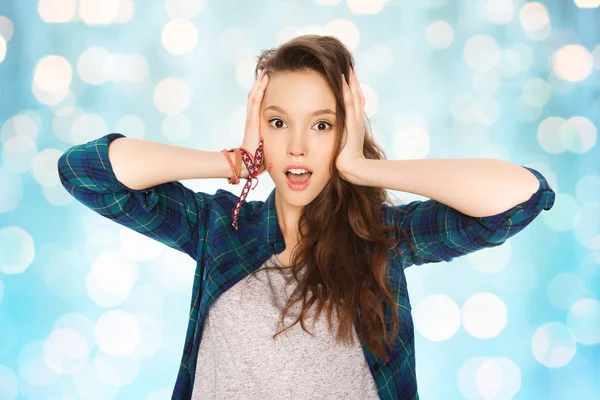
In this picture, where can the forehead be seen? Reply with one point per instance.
(298, 92)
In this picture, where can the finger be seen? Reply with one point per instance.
(256, 96)
(360, 99)
(256, 84)
(350, 105)
(260, 93)
(258, 100)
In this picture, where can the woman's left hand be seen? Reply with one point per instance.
(352, 152)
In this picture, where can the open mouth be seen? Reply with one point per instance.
(298, 178)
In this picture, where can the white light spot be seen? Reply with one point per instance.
(534, 16)
(138, 69)
(9, 388)
(596, 55)
(467, 378)
(125, 12)
(524, 54)
(361, 7)
(19, 125)
(484, 315)
(439, 34)
(87, 127)
(572, 63)
(117, 333)
(498, 378)
(116, 371)
(179, 37)
(578, 134)
(500, 12)
(22, 251)
(63, 120)
(137, 246)
(90, 387)
(53, 74)
(32, 366)
(437, 317)
(95, 66)
(536, 92)
(481, 53)
(94, 12)
(18, 153)
(152, 338)
(489, 379)
(587, 3)
(510, 63)
(587, 188)
(63, 274)
(548, 135)
(66, 351)
(2, 49)
(45, 169)
(411, 142)
(111, 278)
(553, 344)
(346, 31)
(184, 8)
(586, 225)
(171, 96)
(57, 11)
(584, 321)
(6, 28)
(12, 194)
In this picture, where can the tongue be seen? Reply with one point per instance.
(299, 178)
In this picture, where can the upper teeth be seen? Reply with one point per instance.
(298, 171)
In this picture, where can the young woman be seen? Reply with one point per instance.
(327, 238)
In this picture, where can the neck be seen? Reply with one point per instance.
(287, 217)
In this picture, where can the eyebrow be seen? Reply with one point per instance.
(318, 112)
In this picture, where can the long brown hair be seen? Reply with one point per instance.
(343, 243)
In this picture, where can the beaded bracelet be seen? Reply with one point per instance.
(252, 165)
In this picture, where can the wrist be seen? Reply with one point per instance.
(243, 171)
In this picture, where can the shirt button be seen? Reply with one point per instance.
(376, 366)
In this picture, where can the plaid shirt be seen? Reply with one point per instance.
(199, 224)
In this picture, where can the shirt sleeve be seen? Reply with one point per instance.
(170, 213)
(438, 232)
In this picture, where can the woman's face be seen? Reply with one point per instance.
(293, 134)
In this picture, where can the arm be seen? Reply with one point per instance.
(477, 187)
(134, 183)
(440, 231)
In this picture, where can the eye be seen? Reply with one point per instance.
(320, 122)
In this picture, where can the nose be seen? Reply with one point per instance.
(297, 145)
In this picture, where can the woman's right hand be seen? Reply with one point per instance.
(253, 118)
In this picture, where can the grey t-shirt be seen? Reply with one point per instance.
(238, 359)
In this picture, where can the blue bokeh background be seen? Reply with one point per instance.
(507, 79)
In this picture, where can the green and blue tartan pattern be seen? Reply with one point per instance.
(200, 225)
